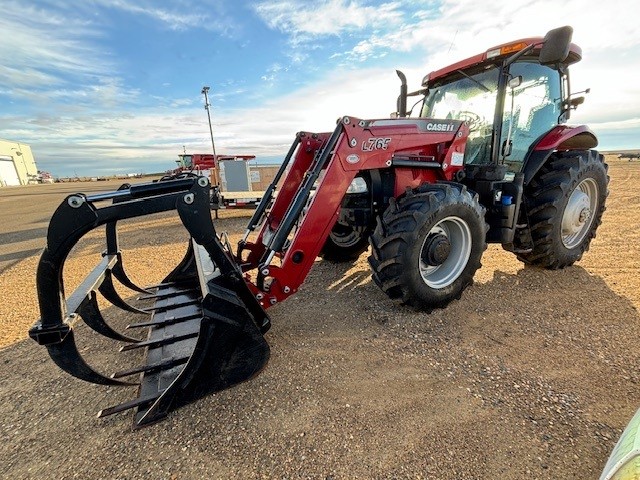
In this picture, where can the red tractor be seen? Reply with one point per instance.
(486, 159)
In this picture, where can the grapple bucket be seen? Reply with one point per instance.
(205, 329)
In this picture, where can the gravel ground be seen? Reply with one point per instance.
(531, 374)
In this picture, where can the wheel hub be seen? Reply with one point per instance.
(585, 213)
(445, 252)
(436, 249)
(578, 214)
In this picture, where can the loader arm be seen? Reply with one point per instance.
(308, 204)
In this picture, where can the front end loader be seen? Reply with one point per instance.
(425, 194)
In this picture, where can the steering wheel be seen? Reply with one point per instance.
(473, 120)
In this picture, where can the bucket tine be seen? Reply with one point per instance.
(168, 320)
(157, 296)
(138, 402)
(91, 315)
(65, 354)
(229, 349)
(155, 367)
(123, 278)
(109, 292)
(158, 343)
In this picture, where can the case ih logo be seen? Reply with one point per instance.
(440, 127)
(375, 144)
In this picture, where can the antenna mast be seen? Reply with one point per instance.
(207, 105)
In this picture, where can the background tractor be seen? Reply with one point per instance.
(487, 159)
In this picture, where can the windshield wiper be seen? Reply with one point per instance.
(474, 81)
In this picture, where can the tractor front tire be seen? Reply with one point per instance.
(564, 205)
(428, 245)
(345, 244)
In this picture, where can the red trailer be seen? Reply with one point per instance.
(200, 162)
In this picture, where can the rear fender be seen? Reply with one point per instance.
(561, 137)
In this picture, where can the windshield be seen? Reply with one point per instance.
(187, 161)
(470, 94)
(471, 98)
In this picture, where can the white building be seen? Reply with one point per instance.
(17, 166)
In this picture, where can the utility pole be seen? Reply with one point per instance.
(207, 105)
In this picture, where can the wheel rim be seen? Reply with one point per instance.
(345, 236)
(579, 213)
(458, 234)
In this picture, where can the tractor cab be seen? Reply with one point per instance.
(531, 106)
(510, 96)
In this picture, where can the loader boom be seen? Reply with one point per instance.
(410, 147)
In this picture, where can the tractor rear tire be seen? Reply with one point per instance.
(344, 244)
(428, 245)
(564, 205)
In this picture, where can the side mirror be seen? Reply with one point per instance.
(515, 82)
(574, 102)
(556, 45)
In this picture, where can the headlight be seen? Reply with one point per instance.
(358, 185)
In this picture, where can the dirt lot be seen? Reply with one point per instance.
(532, 374)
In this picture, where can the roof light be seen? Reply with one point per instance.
(425, 81)
(511, 48)
(624, 460)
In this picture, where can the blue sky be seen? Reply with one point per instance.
(102, 87)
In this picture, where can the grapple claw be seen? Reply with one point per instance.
(109, 292)
(206, 326)
(123, 278)
(90, 314)
(65, 354)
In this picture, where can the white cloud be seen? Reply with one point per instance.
(47, 47)
(460, 27)
(155, 137)
(34, 55)
(181, 17)
(328, 17)
(272, 73)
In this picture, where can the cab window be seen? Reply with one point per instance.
(531, 109)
